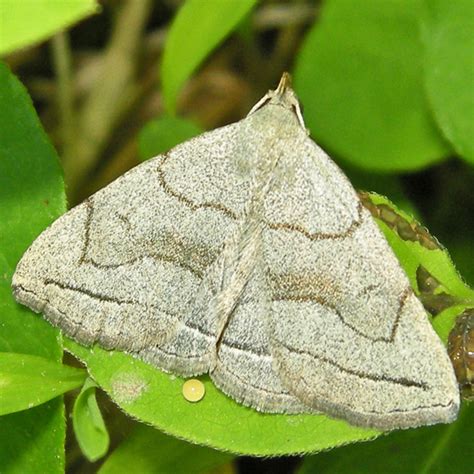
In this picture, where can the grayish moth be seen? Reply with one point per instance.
(245, 253)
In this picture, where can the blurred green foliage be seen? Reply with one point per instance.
(434, 450)
(27, 23)
(162, 134)
(448, 28)
(187, 46)
(148, 450)
(360, 69)
(31, 197)
(28, 381)
(387, 88)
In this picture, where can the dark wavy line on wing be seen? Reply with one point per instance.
(91, 294)
(168, 353)
(185, 200)
(111, 299)
(355, 224)
(363, 375)
(155, 256)
(395, 410)
(401, 303)
(84, 259)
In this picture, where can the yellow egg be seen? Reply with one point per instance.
(193, 390)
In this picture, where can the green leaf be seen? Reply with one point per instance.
(359, 75)
(27, 23)
(196, 30)
(148, 451)
(31, 197)
(89, 427)
(159, 135)
(449, 70)
(415, 247)
(32, 441)
(27, 381)
(154, 397)
(430, 450)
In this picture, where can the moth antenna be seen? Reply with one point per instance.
(284, 84)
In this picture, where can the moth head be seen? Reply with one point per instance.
(283, 96)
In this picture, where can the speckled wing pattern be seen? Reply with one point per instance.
(245, 253)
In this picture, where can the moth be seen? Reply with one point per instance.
(245, 253)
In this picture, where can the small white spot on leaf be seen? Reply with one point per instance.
(128, 387)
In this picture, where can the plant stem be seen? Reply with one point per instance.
(65, 96)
